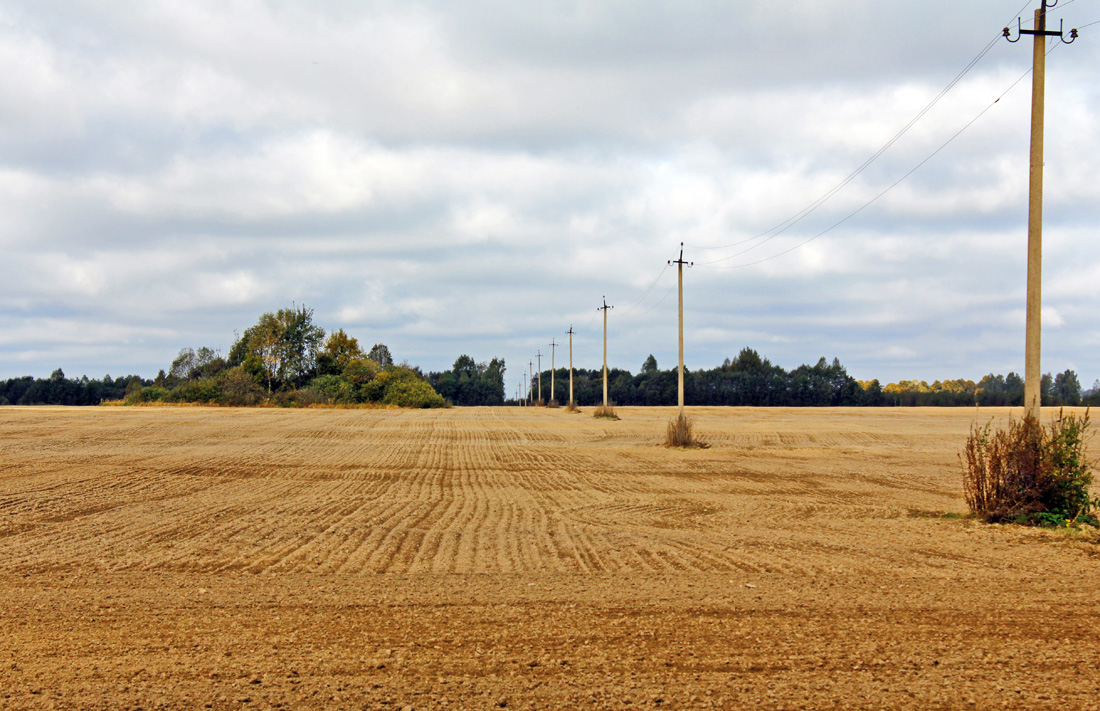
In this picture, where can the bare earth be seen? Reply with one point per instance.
(523, 558)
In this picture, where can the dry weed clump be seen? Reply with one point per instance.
(1030, 474)
(605, 412)
(572, 407)
(553, 403)
(681, 434)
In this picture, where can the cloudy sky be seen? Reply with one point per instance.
(473, 177)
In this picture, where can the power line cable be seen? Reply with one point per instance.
(876, 197)
(799, 216)
(646, 292)
(659, 301)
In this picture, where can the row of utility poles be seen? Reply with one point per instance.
(1032, 369)
(605, 308)
(553, 368)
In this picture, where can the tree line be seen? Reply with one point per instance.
(286, 359)
(469, 383)
(59, 390)
(750, 380)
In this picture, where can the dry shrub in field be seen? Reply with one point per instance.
(1029, 474)
(680, 433)
(572, 407)
(553, 403)
(605, 412)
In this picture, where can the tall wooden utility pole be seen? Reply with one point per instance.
(553, 347)
(1033, 376)
(604, 308)
(680, 271)
(540, 376)
(570, 332)
(530, 378)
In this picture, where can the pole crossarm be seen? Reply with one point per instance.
(681, 261)
(1041, 27)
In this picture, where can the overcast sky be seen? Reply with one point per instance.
(473, 177)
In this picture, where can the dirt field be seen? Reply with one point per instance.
(523, 558)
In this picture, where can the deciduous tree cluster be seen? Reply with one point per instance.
(285, 359)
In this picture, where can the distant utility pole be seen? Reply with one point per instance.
(604, 308)
(553, 347)
(680, 271)
(530, 378)
(1032, 371)
(540, 376)
(570, 332)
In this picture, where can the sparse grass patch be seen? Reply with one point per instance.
(605, 412)
(1029, 474)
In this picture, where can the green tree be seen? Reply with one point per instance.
(1067, 388)
(191, 364)
(361, 370)
(281, 348)
(381, 354)
(340, 350)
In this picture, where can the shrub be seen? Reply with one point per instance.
(304, 397)
(402, 387)
(679, 433)
(1028, 473)
(553, 403)
(147, 394)
(205, 390)
(572, 407)
(605, 412)
(412, 393)
(361, 370)
(239, 388)
(327, 385)
(374, 391)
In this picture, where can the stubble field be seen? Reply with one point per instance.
(523, 558)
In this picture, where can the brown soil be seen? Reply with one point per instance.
(523, 558)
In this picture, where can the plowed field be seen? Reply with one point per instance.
(523, 558)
